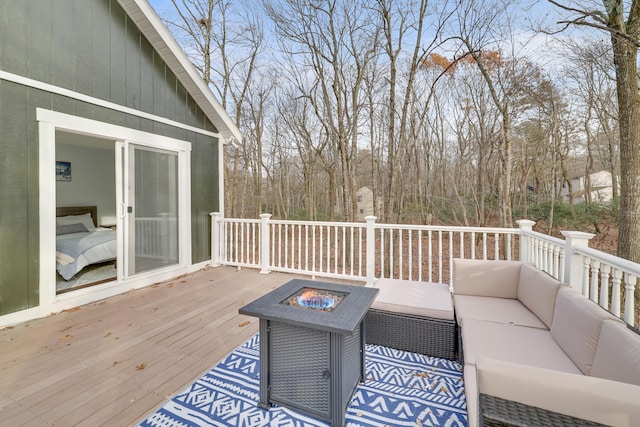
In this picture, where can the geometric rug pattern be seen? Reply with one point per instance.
(401, 389)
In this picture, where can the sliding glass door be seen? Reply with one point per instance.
(149, 209)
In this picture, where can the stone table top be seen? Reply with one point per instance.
(344, 318)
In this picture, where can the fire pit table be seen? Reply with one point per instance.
(312, 346)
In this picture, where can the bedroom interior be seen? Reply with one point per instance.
(89, 189)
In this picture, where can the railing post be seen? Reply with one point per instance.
(265, 243)
(525, 225)
(215, 239)
(371, 250)
(573, 262)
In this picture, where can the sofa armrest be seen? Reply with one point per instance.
(593, 399)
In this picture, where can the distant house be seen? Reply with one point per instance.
(101, 111)
(600, 187)
(365, 203)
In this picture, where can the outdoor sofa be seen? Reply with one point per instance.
(536, 352)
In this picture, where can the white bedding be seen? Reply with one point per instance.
(68, 266)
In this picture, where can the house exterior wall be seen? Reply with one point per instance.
(365, 203)
(90, 47)
(601, 188)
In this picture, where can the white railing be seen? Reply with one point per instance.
(606, 279)
(369, 251)
(157, 237)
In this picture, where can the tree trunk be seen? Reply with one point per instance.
(625, 55)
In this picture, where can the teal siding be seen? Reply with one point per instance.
(90, 47)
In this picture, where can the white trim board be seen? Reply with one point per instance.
(101, 103)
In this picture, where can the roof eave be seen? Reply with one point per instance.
(148, 22)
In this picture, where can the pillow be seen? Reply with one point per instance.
(74, 219)
(70, 228)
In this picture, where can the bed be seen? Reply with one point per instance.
(79, 242)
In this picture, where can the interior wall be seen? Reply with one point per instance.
(93, 177)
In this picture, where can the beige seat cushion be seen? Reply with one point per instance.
(576, 327)
(516, 344)
(502, 310)
(537, 291)
(486, 278)
(595, 399)
(416, 298)
(618, 354)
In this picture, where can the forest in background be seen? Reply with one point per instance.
(457, 113)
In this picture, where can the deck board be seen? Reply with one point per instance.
(83, 366)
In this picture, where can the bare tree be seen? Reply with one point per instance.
(226, 43)
(332, 42)
(621, 20)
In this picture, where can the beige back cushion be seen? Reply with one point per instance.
(618, 354)
(576, 327)
(537, 291)
(486, 278)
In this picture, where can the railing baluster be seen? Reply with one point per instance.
(321, 248)
(381, 252)
(616, 280)
(360, 252)
(400, 250)
(472, 244)
(629, 299)
(595, 269)
(440, 256)
(313, 256)
(604, 286)
(420, 261)
(485, 238)
(586, 268)
(440, 279)
(430, 255)
(391, 258)
(306, 247)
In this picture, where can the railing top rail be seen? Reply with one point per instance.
(545, 237)
(614, 261)
(451, 228)
(443, 228)
(323, 223)
(239, 220)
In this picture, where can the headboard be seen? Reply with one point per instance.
(79, 210)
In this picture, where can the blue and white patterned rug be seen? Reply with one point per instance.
(402, 389)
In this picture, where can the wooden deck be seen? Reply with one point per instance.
(114, 361)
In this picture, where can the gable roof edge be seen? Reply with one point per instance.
(150, 25)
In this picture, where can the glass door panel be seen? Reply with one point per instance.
(151, 209)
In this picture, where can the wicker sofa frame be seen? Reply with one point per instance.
(417, 334)
(497, 412)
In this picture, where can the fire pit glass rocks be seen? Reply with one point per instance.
(316, 299)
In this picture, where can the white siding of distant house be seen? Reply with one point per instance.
(365, 203)
(601, 188)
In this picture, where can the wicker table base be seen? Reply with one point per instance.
(424, 335)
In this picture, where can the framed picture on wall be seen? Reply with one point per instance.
(63, 171)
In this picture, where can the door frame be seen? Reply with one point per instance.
(51, 121)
